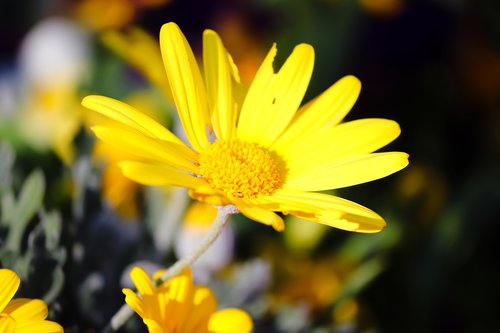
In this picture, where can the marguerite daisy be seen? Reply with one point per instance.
(268, 154)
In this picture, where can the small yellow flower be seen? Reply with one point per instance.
(269, 154)
(22, 315)
(177, 305)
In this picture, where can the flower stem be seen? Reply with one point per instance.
(223, 214)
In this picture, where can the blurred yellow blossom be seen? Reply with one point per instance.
(53, 63)
(106, 14)
(22, 315)
(383, 7)
(178, 305)
(142, 52)
(267, 157)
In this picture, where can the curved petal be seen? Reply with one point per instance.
(273, 99)
(148, 148)
(327, 109)
(40, 327)
(26, 310)
(9, 282)
(327, 209)
(142, 281)
(178, 298)
(204, 306)
(261, 215)
(134, 301)
(158, 175)
(129, 116)
(7, 324)
(218, 82)
(207, 195)
(230, 321)
(351, 138)
(187, 85)
(343, 172)
(153, 326)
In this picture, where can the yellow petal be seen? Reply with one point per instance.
(129, 116)
(351, 138)
(158, 175)
(142, 281)
(327, 209)
(134, 301)
(9, 282)
(273, 99)
(39, 327)
(207, 195)
(154, 326)
(187, 85)
(327, 109)
(261, 215)
(217, 69)
(204, 306)
(7, 324)
(148, 148)
(230, 321)
(320, 175)
(25, 310)
(140, 50)
(179, 295)
(180, 288)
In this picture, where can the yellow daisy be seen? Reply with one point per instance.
(268, 154)
(22, 315)
(179, 306)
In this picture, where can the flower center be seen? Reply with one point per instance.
(241, 169)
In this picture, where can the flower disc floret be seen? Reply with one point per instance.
(240, 169)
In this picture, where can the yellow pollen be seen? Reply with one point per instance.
(241, 169)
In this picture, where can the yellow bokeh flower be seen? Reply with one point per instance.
(22, 315)
(178, 305)
(269, 154)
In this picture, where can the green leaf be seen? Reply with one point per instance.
(8, 208)
(52, 225)
(29, 202)
(7, 157)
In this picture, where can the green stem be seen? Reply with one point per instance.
(223, 214)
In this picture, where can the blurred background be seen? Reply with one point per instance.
(71, 226)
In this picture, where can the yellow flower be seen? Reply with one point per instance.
(266, 157)
(22, 315)
(179, 306)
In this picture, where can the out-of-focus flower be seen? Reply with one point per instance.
(99, 15)
(53, 62)
(142, 52)
(346, 311)
(317, 283)
(178, 305)
(382, 7)
(301, 236)
(267, 156)
(246, 47)
(197, 222)
(22, 314)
